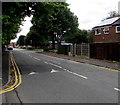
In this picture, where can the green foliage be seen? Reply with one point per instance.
(35, 39)
(12, 15)
(21, 40)
(52, 21)
(82, 36)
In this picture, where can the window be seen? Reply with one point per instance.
(117, 29)
(106, 30)
(97, 31)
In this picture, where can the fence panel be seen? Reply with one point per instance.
(105, 51)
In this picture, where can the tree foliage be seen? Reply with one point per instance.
(12, 15)
(113, 14)
(82, 36)
(35, 39)
(51, 21)
(21, 40)
(54, 20)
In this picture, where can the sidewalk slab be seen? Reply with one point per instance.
(102, 63)
(5, 67)
(5, 71)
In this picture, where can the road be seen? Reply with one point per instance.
(48, 79)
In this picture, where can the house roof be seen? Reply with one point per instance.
(107, 22)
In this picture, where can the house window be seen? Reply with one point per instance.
(97, 31)
(106, 30)
(117, 29)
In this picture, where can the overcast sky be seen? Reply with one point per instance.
(89, 13)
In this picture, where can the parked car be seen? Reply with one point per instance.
(10, 48)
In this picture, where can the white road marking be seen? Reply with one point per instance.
(54, 71)
(46, 62)
(32, 73)
(30, 55)
(36, 58)
(75, 74)
(65, 69)
(69, 71)
(80, 75)
(55, 65)
(55, 62)
(117, 89)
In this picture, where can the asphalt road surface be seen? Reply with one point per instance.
(48, 79)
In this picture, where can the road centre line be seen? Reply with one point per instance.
(30, 55)
(70, 71)
(75, 74)
(55, 65)
(64, 69)
(117, 89)
(46, 62)
(107, 68)
(36, 58)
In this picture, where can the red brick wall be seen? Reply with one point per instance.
(111, 37)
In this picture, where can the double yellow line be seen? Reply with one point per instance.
(15, 77)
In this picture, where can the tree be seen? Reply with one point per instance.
(34, 38)
(13, 14)
(21, 40)
(82, 36)
(113, 14)
(54, 20)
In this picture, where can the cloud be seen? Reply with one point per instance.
(25, 28)
(91, 12)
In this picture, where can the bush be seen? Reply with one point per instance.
(46, 49)
(23, 47)
(30, 48)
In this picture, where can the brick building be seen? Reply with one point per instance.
(106, 40)
(107, 31)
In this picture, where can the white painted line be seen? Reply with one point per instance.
(117, 89)
(32, 73)
(30, 55)
(36, 58)
(54, 71)
(65, 69)
(55, 65)
(80, 75)
(76, 74)
(46, 62)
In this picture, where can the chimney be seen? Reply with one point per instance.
(119, 7)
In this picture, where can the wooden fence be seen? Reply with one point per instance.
(75, 50)
(105, 51)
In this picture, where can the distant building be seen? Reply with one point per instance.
(107, 31)
(106, 40)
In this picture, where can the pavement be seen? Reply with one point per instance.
(55, 80)
(5, 71)
(102, 63)
(5, 67)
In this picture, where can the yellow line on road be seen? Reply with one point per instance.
(18, 79)
(107, 68)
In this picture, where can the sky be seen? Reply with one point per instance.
(89, 13)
